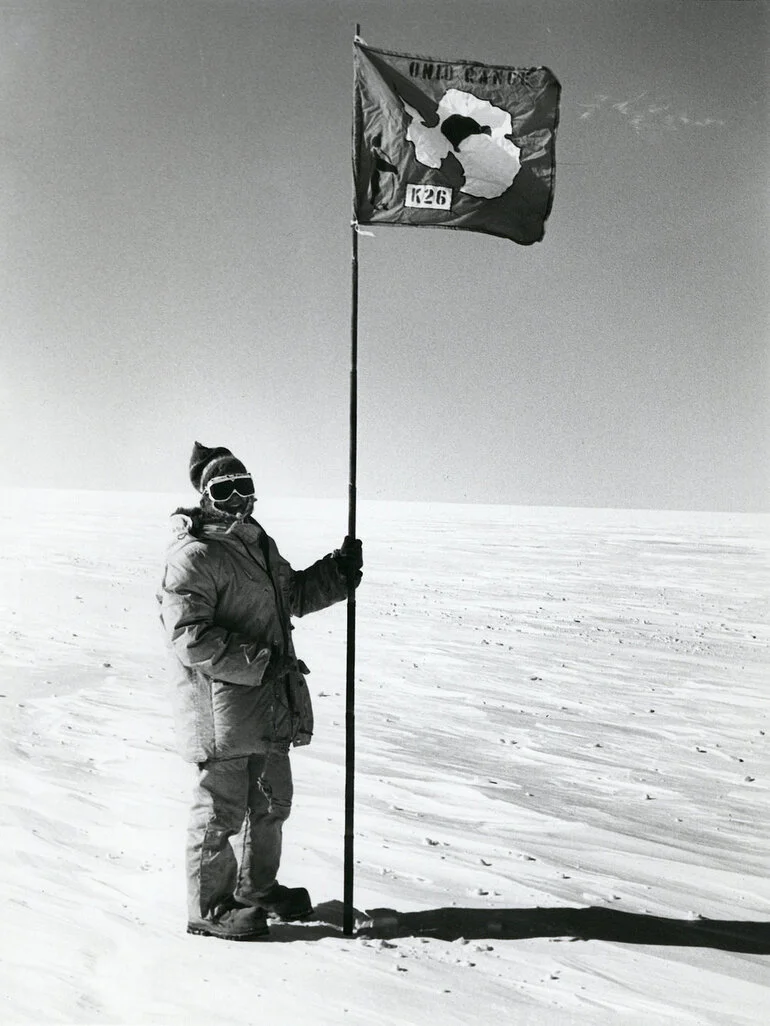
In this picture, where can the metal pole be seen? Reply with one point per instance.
(350, 687)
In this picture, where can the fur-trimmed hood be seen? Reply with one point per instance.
(187, 520)
(196, 523)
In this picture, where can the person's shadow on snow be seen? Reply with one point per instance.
(571, 924)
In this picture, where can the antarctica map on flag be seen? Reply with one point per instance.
(474, 132)
(453, 144)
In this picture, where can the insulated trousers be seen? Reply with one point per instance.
(250, 797)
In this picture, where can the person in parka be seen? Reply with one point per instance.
(240, 696)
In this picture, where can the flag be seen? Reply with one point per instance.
(453, 144)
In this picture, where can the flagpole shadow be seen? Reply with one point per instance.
(571, 924)
(576, 924)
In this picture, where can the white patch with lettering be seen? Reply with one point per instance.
(434, 197)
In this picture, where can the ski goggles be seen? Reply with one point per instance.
(222, 488)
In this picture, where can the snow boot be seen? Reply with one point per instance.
(232, 921)
(286, 903)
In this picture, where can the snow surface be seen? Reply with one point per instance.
(563, 772)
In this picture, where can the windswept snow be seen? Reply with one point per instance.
(563, 773)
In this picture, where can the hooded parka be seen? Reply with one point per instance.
(226, 598)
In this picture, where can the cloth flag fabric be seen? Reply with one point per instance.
(453, 144)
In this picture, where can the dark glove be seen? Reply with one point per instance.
(350, 558)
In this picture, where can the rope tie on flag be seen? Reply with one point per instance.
(360, 231)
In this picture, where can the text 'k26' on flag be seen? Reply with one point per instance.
(453, 144)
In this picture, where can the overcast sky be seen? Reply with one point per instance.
(175, 238)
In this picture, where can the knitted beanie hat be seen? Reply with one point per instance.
(206, 463)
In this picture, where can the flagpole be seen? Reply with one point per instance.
(350, 692)
(350, 686)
